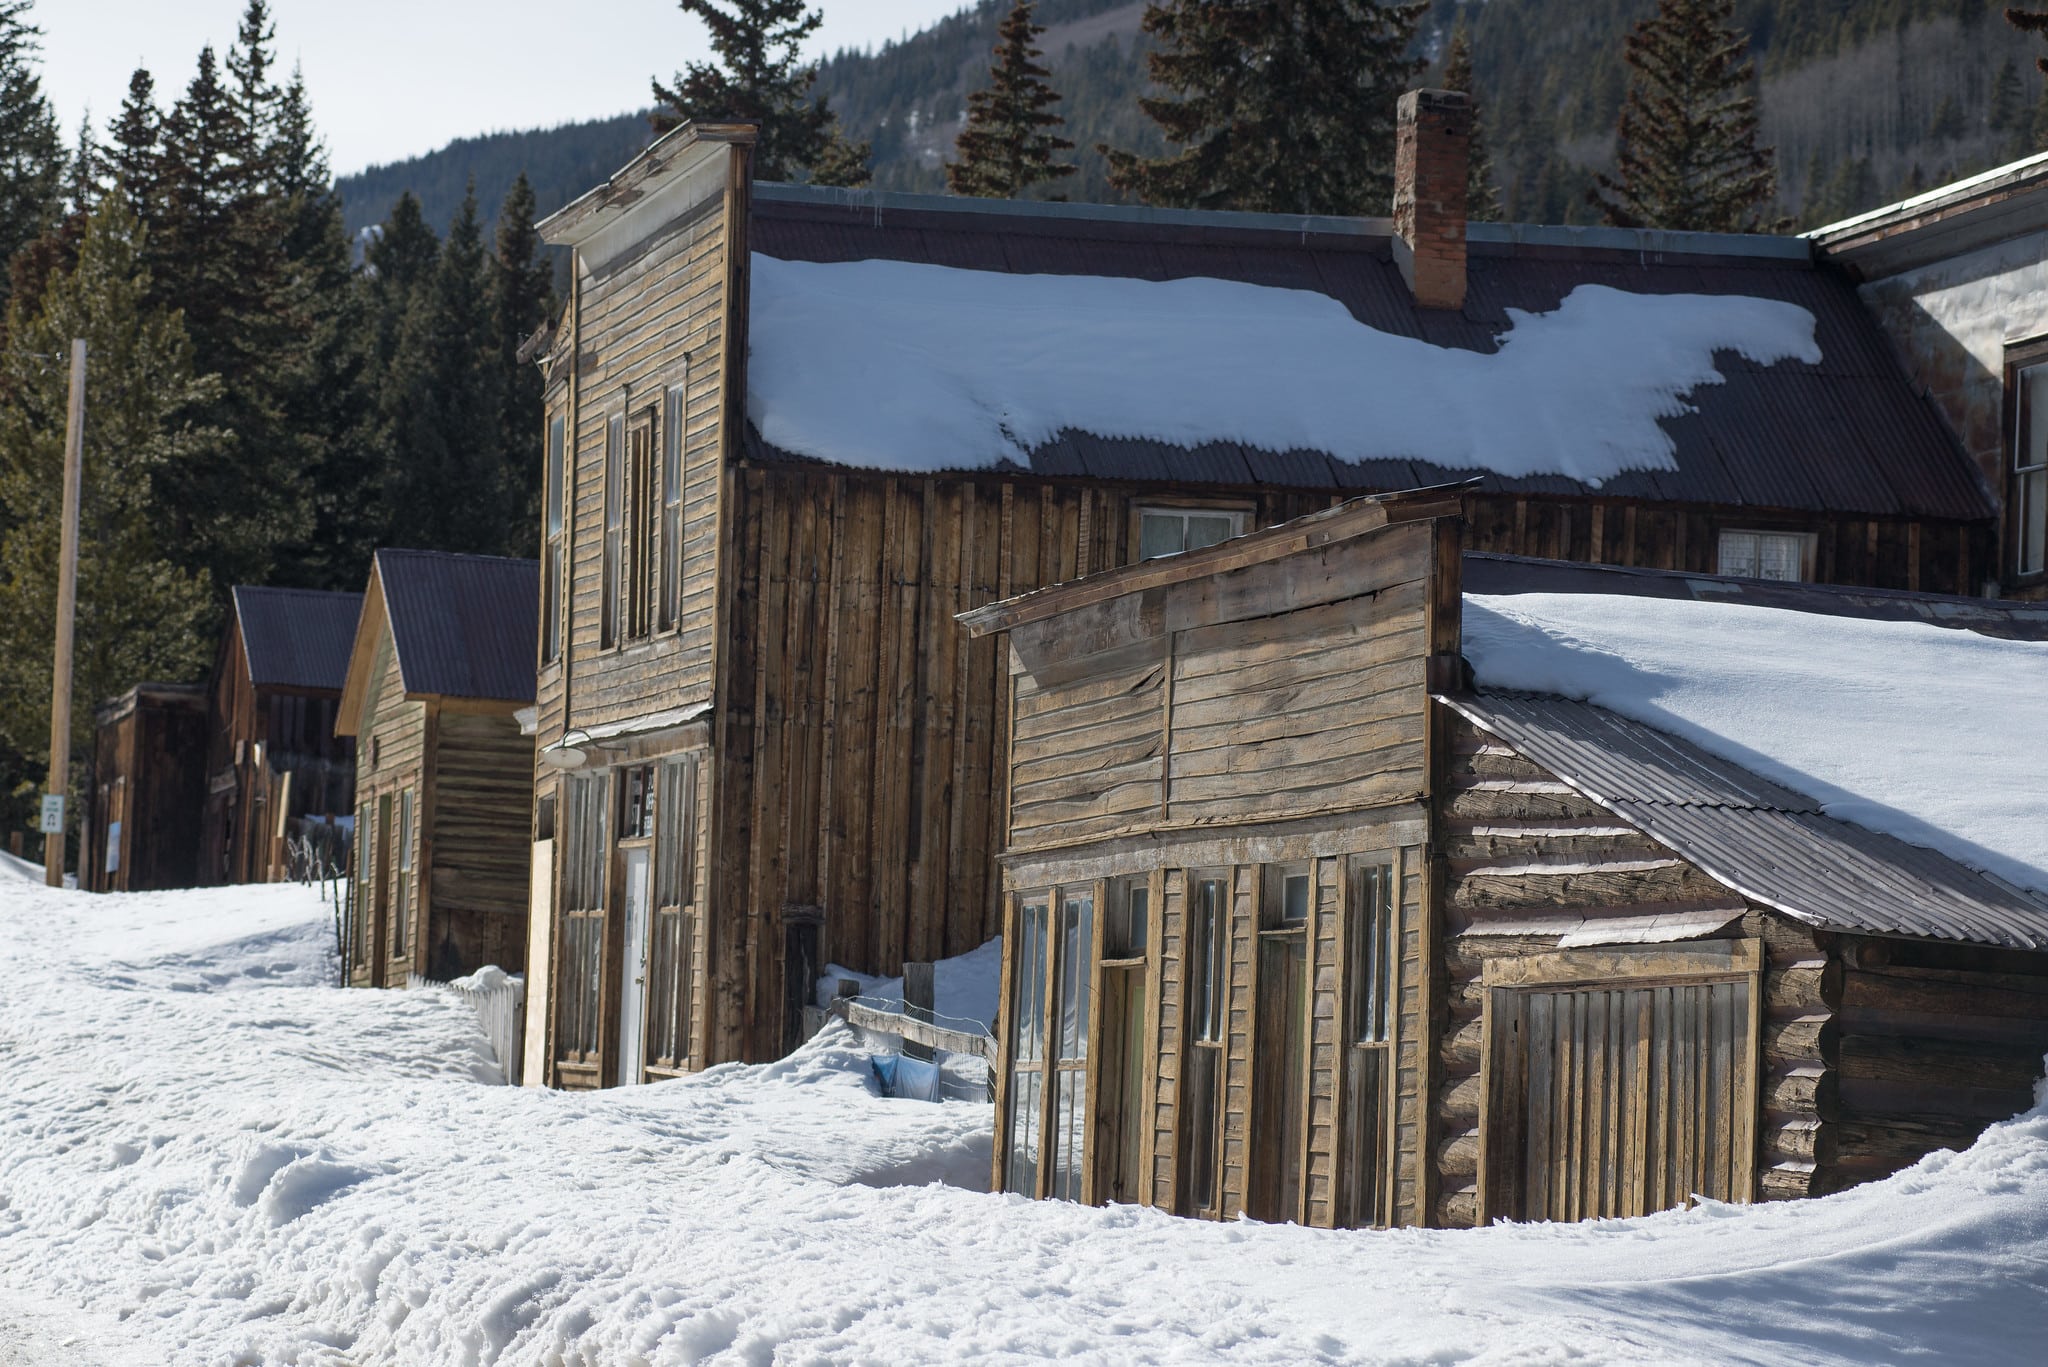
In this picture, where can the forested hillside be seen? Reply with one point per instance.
(1865, 100)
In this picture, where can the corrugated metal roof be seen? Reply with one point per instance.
(1770, 844)
(1849, 434)
(464, 626)
(2005, 618)
(296, 638)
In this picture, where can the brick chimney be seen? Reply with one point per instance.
(1431, 147)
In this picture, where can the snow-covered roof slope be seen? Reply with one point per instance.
(1929, 734)
(913, 366)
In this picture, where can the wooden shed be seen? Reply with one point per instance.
(279, 782)
(1305, 922)
(148, 783)
(441, 664)
(765, 743)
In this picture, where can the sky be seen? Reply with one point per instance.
(393, 78)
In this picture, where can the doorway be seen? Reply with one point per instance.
(1120, 1110)
(633, 978)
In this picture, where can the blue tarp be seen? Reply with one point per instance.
(913, 1078)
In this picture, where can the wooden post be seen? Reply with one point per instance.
(917, 1004)
(67, 601)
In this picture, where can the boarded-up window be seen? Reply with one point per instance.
(581, 970)
(554, 559)
(612, 569)
(1622, 1083)
(672, 507)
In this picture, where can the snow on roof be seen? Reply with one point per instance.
(902, 365)
(1926, 733)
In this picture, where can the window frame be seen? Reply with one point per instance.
(1238, 511)
(404, 898)
(2021, 356)
(1369, 1009)
(554, 538)
(1071, 958)
(674, 415)
(642, 520)
(1205, 1026)
(611, 571)
(1809, 546)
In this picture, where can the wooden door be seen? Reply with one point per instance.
(1617, 1099)
(1120, 1107)
(380, 900)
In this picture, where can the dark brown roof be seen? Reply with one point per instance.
(1774, 846)
(1848, 434)
(297, 638)
(464, 626)
(2007, 618)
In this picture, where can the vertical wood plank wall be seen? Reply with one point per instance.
(477, 814)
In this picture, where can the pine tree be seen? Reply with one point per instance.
(1009, 144)
(32, 161)
(1947, 123)
(2030, 21)
(140, 614)
(1282, 106)
(522, 298)
(2003, 111)
(760, 78)
(1482, 197)
(135, 147)
(1686, 145)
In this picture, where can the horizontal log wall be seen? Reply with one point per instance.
(1524, 858)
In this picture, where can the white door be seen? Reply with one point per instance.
(633, 997)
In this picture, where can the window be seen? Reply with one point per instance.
(636, 802)
(2027, 498)
(1027, 1048)
(641, 516)
(359, 895)
(1169, 531)
(404, 900)
(1049, 1074)
(671, 970)
(1372, 945)
(581, 967)
(614, 530)
(1201, 1094)
(1786, 556)
(553, 559)
(672, 507)
(1127, 928)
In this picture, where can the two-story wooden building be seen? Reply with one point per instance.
(1319, 911)
(441, 664)
(277, 777)
(792, 431)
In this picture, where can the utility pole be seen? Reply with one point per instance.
(67, 603)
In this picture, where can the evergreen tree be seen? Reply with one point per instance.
(32, 161)
(140, 614)
(1281, 106)
(1009, 144)
(522, 298)
(760, 78)
(136, 146)
(2030, 21)
(1947, 123)
(2003, 111)
(1686, 145)
(1482, 198)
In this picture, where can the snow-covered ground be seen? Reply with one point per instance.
(209, 1155)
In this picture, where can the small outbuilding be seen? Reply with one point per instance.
(279, 782)
(441, 662)
(148, 782)
(1336, 893)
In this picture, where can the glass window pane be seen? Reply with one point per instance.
(1077, 940)
(1294, 898)
(1029, 1003)
(1139, 910)
(1779, 557)
(1160, 534)
(1206, 529)
(1738, 554)
(554, 477)
(2032, 448)
(1022, 1177)
(2033, 513)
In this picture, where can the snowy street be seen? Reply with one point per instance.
(210, 1155)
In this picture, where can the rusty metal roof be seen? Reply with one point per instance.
(2009, 619)
(1774, 846)
(296, 638)
(1848, 434)
(464, 626)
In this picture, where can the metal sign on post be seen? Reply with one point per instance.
(53, 814)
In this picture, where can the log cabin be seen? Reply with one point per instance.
(441, 664)
(1958, 277)
(277, 777)
(791, 431)
(148, 784)
(1345, 887)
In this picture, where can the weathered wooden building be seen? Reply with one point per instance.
(1305, 922)
(441, 663)
(1959, 279)
(277, 777)
(781, 456)
(148, 784)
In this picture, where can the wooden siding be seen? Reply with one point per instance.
(859, 740)
(475, 829)
(147, 775)
(394, 739)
